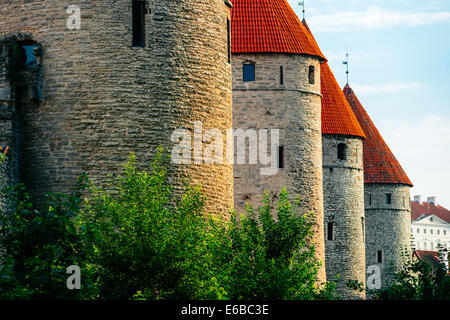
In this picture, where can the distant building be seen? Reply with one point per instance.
(430, 224)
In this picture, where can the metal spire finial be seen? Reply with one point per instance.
(302, 4)
(346, 63)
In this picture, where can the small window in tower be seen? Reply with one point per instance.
(27, 54)
(388, 198)
(380, 256)
(281, 76)
(281, 157)
(330, 235)
(312, 75)
(370, 199)
(363, 228)
(342, 151)
(138, 23)
(249, 72)
(229, 40)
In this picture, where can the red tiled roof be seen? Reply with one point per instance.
(380, 164)
(425, 208)
(430, 257)
(337, 115)
(260, 26)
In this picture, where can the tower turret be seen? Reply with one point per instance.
(276, 85)
(386, 196)
(115, 77)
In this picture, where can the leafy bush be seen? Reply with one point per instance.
(136, 238)
(271, 256)
(418, 280)
(38, 246)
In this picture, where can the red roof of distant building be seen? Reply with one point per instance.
(430, 257)
(271, 26)
(425, 208)
(380, 164)
(337, 115)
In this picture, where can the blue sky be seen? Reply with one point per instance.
(399, 68)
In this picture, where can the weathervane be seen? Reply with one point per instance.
(302, 4)
(346, 63)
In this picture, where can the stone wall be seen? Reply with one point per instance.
(343, 187)
(388, 226)
(293, 107)
(103, 98)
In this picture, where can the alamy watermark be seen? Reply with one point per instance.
(213, 146)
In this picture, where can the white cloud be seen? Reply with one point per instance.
(423, 149)
(388, 87)
(374, 18)
(354, 55)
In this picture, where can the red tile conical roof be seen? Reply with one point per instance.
(337, 115)
(269, 26)
(380, 164)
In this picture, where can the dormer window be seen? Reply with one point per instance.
(249, 72)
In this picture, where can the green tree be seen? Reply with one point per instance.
(39, 245)
(418, 280)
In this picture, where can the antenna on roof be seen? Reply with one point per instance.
(346, 63)
(302, 4)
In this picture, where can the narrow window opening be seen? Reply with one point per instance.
(138, 23)
(370, 199)
(380, 256)
(281, 157)
(312, 75)
(330, 235)
(249, 72)
(27, 55)
(363, 229)
(388, 198)
(281, 76)
(342, 151)
(229, 40)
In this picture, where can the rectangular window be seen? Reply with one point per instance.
(445, 232)
(438, 232)
(249, 72)
(388, 198)
(431, 231)
(330, 231)
(418, 230)
(380, 256)
(425, 231)
(370, 199)
(229, 40)
(363, 228)
(312, 75)
(281, 157)
(138, 23)
(281, 76)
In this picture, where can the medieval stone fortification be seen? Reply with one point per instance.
(79, 100)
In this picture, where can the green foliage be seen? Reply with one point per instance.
(148, 243)
(271, 256)
(418, 280)
(38, 247)
(136, 238)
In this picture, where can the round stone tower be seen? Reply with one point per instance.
(343, 187)
(387, 202)
(276, 85)
(112, 77)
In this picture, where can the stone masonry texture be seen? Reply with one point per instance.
(388, 227)
(295, 109)
(103, 98)
(343, 187)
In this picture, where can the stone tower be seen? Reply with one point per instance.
(276, 85)
(343, 186)
(386, 197)
(110, 77)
